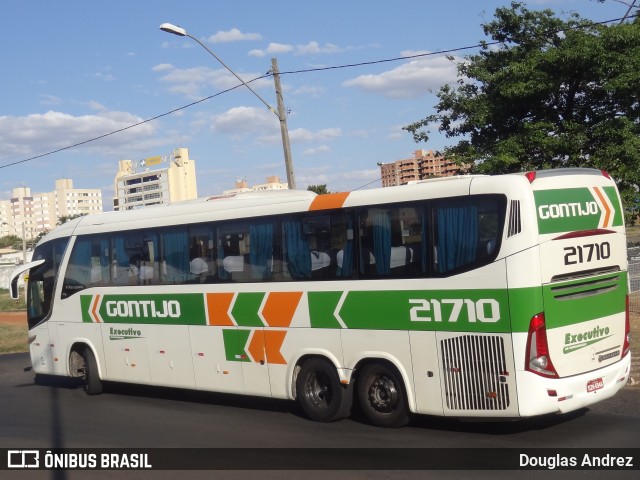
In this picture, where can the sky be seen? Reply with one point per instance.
(82, 78)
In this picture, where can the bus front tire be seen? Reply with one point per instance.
(382, 396)
(319, 392)
(92, 383)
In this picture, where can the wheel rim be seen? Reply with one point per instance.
(383, 394)
(317, 390)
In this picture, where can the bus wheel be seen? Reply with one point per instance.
(92, 382)
(319, 392)
(382, 397)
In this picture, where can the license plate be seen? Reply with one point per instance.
(593, 385)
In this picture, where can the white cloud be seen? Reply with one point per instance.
(162, 67)
(315, 48)
(279, 48)
(316, 150)
(301, 135)
(190, 82)
(311, 48)
(233, 35)
(241, 121)
(312, 91)
(43, 132)
(412, 79)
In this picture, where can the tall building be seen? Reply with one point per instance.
(37, 213)
(155, 180)
(424, 164)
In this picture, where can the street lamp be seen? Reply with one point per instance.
(181, 32)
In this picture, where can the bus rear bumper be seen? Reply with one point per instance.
(538, 395)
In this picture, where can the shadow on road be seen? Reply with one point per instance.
(426, 422)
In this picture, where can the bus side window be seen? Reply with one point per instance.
(88, 265)
(467, 232)
(201, 254)
(135, 258)
(175, 263)
(390, 241)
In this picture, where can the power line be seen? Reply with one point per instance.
(309, 70)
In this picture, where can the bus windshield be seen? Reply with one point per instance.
(41, 283)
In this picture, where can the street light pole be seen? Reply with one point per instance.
(170, 28)
(284, 131)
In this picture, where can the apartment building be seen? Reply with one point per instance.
(155, 181)
(273, 183)
(424, 164)
(33, 214)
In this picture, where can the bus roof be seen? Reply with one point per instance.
(274, 202)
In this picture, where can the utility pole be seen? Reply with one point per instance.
(282, 116)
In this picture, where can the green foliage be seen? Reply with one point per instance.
(66, 218)
(10, 241)
(7, 304)
(319, 189)
(553, 93)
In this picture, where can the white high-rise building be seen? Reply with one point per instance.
(155, 180)
(37, 213)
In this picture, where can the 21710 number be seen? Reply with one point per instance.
(587, 253)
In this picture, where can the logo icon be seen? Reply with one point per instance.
(23, 459)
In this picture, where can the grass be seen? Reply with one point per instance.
(13, 339)
(7, 304)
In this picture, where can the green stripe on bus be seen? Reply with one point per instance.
(580, 301)
(613, 198)
(246, 307)
(85, 306)
(234, 343)
(321, 308)
(571, 209)
(173, 309)
(446, 310)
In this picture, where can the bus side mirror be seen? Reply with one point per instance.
(15, 275)
(14, 288)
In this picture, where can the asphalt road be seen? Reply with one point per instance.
(54, 412)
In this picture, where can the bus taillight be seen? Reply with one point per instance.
(626, 346)
(537, 357)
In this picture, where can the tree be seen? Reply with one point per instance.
(546, 93)
(319, 189)
(10, 241)
(65, 218)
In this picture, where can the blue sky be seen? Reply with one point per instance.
(76, 70)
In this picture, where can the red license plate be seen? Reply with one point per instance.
(593, 385)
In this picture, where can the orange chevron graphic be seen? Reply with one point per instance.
(605, 206)
(218, 305)
(279, 308)
(269, 343)
(273, 340)
(94, 313)
(256, 346)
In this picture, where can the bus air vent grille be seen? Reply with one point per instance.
(515, 225)
(474, 373)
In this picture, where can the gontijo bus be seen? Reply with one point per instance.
(473, 296)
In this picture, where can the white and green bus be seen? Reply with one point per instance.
(473, 296)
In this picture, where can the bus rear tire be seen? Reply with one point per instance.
(382, 396)
(319, 392)
(92, 382)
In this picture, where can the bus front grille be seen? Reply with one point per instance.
(475, 373)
